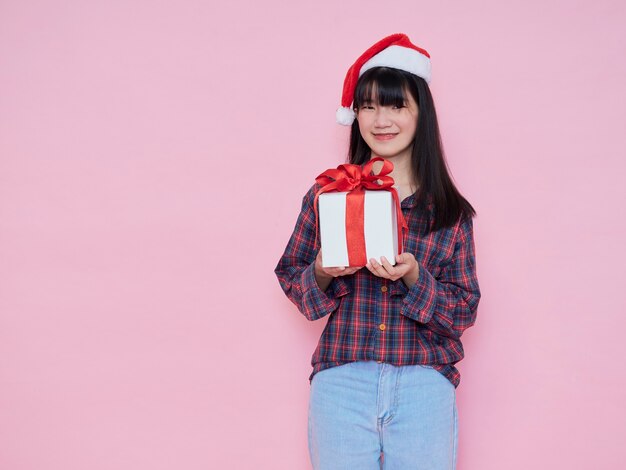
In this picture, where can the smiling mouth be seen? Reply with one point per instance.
(384, 136)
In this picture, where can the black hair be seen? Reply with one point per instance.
(428, 163)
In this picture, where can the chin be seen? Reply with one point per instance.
(386, 154)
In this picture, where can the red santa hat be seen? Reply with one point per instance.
(395, 51)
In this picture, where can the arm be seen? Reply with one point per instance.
(449, 303)
(300, 275)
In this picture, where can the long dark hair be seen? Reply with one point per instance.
(428, 163)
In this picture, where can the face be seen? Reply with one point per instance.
(389, 131)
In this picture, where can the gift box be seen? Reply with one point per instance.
(358, 215)
(379, 230)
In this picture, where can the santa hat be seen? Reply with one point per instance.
(395, 51)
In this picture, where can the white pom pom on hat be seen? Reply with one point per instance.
(395, 51)
(345, 116)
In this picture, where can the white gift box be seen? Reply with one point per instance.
(380, 227)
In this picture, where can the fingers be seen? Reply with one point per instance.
(332, 271)
(388, 267)
(337, 271)
(341, 271)
(385, 269)
(404, 258)
(377, 269)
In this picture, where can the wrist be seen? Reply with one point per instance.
(320, 273)
(411, 277)
(322, 278)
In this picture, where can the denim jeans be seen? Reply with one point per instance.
(362, 409)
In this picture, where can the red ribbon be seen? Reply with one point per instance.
(355, 179)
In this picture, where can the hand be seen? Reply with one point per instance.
(324, 276)
(406, 268)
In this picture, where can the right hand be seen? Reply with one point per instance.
(322, 272)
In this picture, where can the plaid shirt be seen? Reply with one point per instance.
(372, 318)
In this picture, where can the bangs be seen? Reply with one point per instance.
(382, 86)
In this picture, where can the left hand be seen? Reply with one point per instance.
(406, 268)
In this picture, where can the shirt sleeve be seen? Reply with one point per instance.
(448, 304)
(296, 268)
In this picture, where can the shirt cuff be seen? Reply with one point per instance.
(315, 301)
(420, 302)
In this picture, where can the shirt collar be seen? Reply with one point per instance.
(411, 201)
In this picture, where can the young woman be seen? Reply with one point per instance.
(383, 386)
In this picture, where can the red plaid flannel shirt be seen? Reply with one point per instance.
(375, 319)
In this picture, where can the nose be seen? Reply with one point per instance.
(382, 117)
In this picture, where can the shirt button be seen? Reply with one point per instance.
(382, 327)
(384, 289)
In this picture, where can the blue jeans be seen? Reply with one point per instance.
(362, 409)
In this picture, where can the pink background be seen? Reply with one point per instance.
(153, 160)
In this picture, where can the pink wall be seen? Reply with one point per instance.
(153, 159)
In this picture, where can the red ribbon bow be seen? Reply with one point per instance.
(355, 179)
